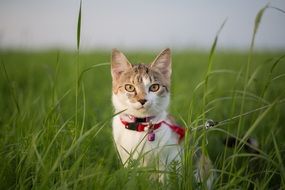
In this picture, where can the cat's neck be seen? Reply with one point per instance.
(148, 118)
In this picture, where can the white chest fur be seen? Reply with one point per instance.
(135, 145)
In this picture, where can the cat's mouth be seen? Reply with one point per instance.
(142, 107)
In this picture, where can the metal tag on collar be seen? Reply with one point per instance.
(150, 134)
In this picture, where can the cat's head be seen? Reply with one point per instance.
(141, 89)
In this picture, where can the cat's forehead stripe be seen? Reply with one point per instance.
(141, 72)
(140, 69)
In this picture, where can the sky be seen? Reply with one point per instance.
(139, 24)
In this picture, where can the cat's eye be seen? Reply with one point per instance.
(129, 88)
(154, 87)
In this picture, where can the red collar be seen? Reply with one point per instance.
(180, 131)
(141, 124)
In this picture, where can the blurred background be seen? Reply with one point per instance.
(133, 25)
(55, 102)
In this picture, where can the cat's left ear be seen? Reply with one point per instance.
(162, 63)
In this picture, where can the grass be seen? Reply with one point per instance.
(55, 119)
(43, 147)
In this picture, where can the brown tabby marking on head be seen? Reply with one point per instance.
(123, 72)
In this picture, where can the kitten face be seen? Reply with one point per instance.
(142, 90)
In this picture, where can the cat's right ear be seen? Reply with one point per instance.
(119, 63)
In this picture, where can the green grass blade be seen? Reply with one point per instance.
(257, 121)
(79, 26)
(212, 51)
(83, 137)
(276, 8)
(90, 68)
(210, 62)
(12, 89)
(270, 79)
(257, 22)
(280, 160)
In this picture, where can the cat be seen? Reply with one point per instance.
(142, 128)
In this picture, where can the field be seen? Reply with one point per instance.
(55, 120)
(56, 112)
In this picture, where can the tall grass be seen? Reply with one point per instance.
(47, 144)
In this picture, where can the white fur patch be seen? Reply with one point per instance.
(133, 145)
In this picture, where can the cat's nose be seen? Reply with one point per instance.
(142, 101)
